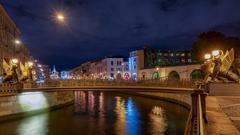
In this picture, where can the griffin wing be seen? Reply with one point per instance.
(227, 60)
(6, 67)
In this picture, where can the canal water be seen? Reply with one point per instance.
(98, 113)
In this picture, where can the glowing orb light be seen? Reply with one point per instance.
(207, 56)
(215, 52)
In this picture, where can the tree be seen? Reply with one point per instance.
(212, 40)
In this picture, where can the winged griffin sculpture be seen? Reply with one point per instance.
(219, 68)
(14, 74)
(10, 74)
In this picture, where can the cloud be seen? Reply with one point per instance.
(101, 27)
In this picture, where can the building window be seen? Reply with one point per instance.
(112, 69)
(134, 59)
(134, 67)
(177, 54)
(112, 75)
(189, 60)
(172, 54)
(183, 54)
(112, 63)
(177, 60)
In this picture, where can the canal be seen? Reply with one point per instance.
(98, 113)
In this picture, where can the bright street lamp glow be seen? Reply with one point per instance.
(215, 52)
(60, 17)
(207, 56)
(17, 42)
(157, 68)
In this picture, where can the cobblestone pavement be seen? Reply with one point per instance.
(223, 115)
(231, 106)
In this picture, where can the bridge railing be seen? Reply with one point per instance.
(153, 83)
(197, 117)
(10, 88)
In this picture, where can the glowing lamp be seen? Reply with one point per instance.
(60, 17)
(17, 41)
(215, 52)
(157, 68)
(14, 61)
(207, 56)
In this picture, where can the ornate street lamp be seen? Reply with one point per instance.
(207, 56)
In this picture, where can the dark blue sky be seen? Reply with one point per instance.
(97, 28)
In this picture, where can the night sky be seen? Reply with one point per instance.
(98, 28)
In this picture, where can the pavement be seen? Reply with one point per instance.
(223, 114)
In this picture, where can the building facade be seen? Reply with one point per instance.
(107, 68)
(148, 58)
(136, 63)
(9, 33)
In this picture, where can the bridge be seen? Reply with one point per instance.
(197, 96)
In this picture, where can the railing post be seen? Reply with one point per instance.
(203, 103)
(194, 118)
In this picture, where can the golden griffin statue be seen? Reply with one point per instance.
(13, 74)
(218, 67)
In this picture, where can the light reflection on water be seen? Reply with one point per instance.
(36, 125)
(103, 113)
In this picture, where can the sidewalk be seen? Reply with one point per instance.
(223, 113)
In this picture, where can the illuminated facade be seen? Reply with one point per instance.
(148, 58)
(106, 68)
(65, 75)
(9, 33)
(136, 62)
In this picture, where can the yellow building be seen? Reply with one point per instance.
(9, 34)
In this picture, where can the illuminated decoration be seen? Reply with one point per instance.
(31, 101)
(216, 53)
(156, 76)
(207, 56)
(127, 76)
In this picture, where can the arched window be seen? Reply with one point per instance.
(156, 76)
(173, 75)
(197, 74)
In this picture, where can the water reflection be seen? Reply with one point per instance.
(158, 121)
(104, 114)
(36, 125)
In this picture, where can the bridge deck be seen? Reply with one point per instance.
(116, 88)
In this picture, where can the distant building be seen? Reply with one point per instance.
(54, 74)
(65, 75)
(147, 58)
(106, 68)
(136, 62)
